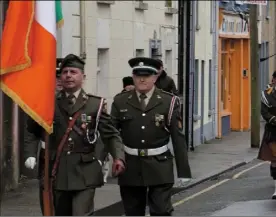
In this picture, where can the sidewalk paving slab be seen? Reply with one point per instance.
(207, 161)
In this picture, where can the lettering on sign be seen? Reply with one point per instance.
(234, 25)
(254, 2)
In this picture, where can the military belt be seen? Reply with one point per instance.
(146, 152)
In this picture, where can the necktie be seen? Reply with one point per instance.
(71, 100)
(143, 101)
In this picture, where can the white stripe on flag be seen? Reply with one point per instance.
(45, 15)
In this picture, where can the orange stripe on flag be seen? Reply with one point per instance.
(16, 36)
(33, 88)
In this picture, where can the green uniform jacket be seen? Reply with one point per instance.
(79, 167)
(149, 129)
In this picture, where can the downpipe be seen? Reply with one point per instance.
(190, 66)
(215, 75)
(214, 65)
(82, 30)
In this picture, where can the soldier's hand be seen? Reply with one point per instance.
(30, 162)
(118, 167)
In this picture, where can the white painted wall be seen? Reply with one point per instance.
(119, 30)
(203, 51)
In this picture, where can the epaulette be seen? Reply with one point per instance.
(168, 93)
(91, 95)
(122, 93)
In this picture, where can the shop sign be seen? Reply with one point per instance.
(234, 25)
(254, 2)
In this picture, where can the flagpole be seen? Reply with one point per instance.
(15, 146)
(47, 192)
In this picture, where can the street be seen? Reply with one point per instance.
(245, 191)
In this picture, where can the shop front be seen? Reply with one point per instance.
(233, 74)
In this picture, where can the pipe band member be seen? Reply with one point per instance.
(147, 117)
(79, 171)
(267, 150)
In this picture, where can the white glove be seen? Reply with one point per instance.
(183, 181)
(30, 162)
(100, 163)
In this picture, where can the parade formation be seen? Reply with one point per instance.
(139, 142)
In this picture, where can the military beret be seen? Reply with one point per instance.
(274, 74)
(127, 81)
(160, 61)
(72, 60)
(144, 66)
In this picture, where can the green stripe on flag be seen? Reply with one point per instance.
(59, 16)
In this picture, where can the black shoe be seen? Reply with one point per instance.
(274, 197)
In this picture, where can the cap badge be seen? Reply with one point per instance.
(141, 64)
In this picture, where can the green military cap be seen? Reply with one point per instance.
(144, 66)
(72, 60)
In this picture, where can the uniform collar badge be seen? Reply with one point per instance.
(84, 96)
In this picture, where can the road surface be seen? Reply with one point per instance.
(245, 191)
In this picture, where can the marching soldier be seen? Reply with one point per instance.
(58, 81)
(267, 150)
(147, 117)
(127, 83)
(273, 80)
(164, 81)
(76, 156)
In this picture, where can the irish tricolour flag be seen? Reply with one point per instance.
(28, 57)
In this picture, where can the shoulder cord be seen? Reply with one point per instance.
(96, 132)
(170, 112)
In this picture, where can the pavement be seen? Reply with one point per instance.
(245, 191)
(207, 162)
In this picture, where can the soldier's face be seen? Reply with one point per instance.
(144, 83)
(58, 84)
(273, 80)
(72, 78)
(160, 70)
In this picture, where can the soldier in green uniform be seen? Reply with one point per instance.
(78, 165)
(147, 117)
(267, 150)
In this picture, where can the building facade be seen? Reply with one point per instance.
(205, 71)
(109, 33)
(234, 68)
(267, 44)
